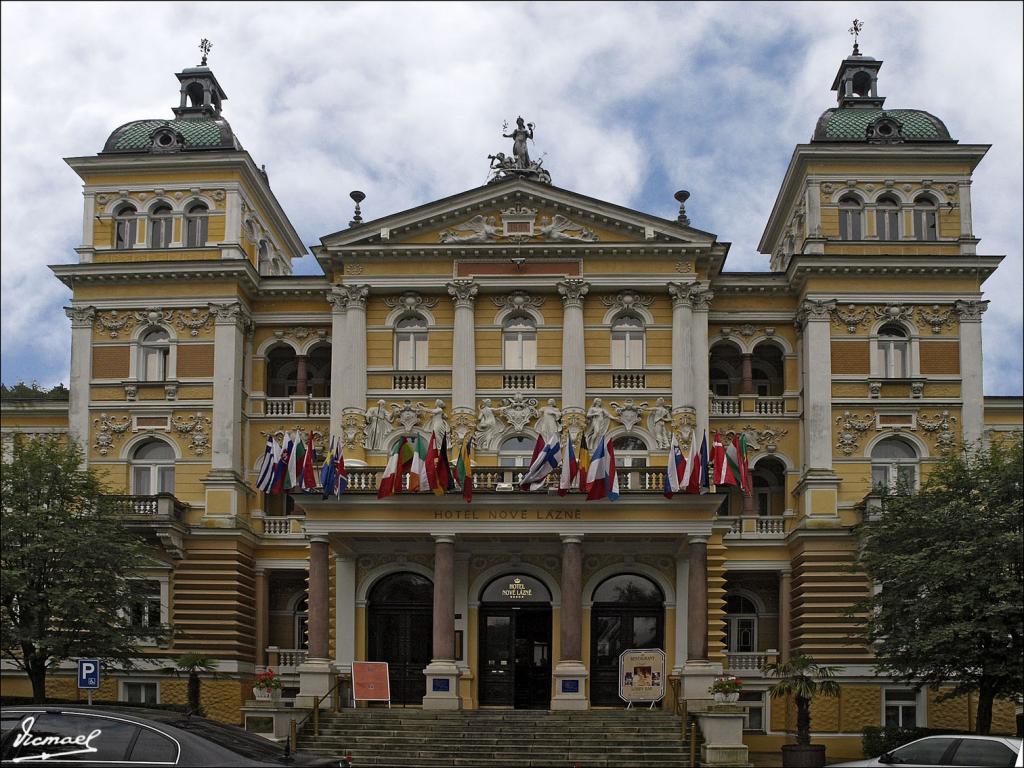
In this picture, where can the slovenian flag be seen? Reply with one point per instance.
(284, 472)
(271, 455)
(602, 477)
(570, 471)
(723, 463)
(675, 470)
(546, 458)
(691, 474)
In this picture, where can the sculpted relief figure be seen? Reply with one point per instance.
(658, 421)
(378, 424)
(519, 135)
(480, 229)
(436, 424)
(488, 428)
(598, 421)
(549, 421)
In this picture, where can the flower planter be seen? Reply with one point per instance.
(727, 698)
(266, 694)
(800, 756)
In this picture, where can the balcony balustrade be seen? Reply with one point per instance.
(277, 406)
(518, 381)
(159, 506)
(725, 406)
(763, 527)
(409, 381)
(282, 526)
(319, 406)
(750, 664)
(770, 406)
(629, 380)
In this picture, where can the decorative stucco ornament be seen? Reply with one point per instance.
(193, 320)
(195, 428)
(850, 317)
(939, 428)
(114, 321)
(628, 300)
(563, 229)
(851, 430)
(629, 413)
(411, 301)
(518, 410)
(108, 430)
(935, 317)
(517, 300)
(479, 229)
(894, 312)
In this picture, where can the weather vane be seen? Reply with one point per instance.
(204, 46)
(858, 25)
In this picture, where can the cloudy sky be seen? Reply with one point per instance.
(404, 101)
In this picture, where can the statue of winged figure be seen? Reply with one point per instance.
(482, 229)
(561, 228)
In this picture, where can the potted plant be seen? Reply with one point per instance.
(726, 688)
(801, 678)
(267, 687)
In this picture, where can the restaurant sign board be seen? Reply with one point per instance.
(642, 675)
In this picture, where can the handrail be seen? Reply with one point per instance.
(315, 714)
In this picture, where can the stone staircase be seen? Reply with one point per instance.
(407, 738)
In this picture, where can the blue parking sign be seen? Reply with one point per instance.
(88, 673)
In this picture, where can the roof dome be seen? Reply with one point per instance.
(880, 126)
(183, 134)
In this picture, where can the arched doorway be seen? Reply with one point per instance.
(515, 643)
(400, 615)
(628, 612)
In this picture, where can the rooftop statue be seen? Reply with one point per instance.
(518, 165)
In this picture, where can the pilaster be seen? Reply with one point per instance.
(463, 293)
(972, 415)
(700, 298)
(682, 347)
(82, 319)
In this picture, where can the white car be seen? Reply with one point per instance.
(949, 750)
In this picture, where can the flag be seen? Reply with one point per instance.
(445, 479)
(329, 470)
(705, 477)
(431, 467)
(736, 461)
(265, 479)
(721, 462)
(464, 469)
(285, 462)
(746, 479)
(602, 479)
(546, 458)
(570, 470)
(307, 472)
(692, 472)
(418, 480)
(583, 462)
(340, 475)
(398, 461)
(675, 470)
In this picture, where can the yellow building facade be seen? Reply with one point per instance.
(522, 309)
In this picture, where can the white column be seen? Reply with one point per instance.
(972, 393)
(701, 360)
(966, 225)
(814, 316)
(350, 367)
(232, 217)
(463, 293)
(88, 223)
(82, 319)
(230, 321)
(344, 612)
(339, 355)
(682, 346)
(574, 362)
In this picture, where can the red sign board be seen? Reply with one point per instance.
(370, 681)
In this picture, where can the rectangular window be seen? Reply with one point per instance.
(166, 479)
(886, 223)
(764, 503)
(412, 351)
(754, 703)
(154, 364)
(520, 351)
(880, 476)
(925, 225)
(145, 612)
(627, 350)
(849, 224)
(140, 693)
(894, 356)
(140, 481)
(900, 708)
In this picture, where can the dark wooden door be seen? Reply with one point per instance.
(614, 629)
(402, 637)
(515, 657)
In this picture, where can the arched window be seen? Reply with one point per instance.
(893, 352)
(627, 342)
(768, 370)
(160, 226)
(741, 624)
(411, 343)
(926, 215)
(850, 213)
(519, 340)
(300, 622)
(769, 487)
(197, 225)
(282, 372)
(125, 224)
(894, 464)
(630, 451)
(152, 466)
(516, 451)
(155, 350)
(887, 217)
(266, 265)
(725, 369)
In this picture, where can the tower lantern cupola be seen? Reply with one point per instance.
(856, 83)
(201, 94)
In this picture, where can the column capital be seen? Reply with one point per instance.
(81, 317)
(463, 292)
(231, 313)
(443, 538)
(701, 298)
(970, 310)
(572, 290)
(351, 296)
(680, 293)
(697, 539)
(319, 540)
(571, 538)
(815, 310)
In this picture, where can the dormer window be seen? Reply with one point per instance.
(166, 140)
(926, 219)
(850, 215)
(885, 130)
(196, 225)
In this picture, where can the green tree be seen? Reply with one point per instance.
(799, 677)
(66, 563)
(194, 664)
(948, 561)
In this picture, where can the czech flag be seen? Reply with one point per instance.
(570, 471)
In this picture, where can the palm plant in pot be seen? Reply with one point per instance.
(803, 679)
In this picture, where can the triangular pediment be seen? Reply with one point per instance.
(515, 212)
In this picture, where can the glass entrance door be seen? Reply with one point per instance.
(515, 658)
(400, 632)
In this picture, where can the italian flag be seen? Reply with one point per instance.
(398, 462)
(418, 478)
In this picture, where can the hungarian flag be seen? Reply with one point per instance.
(675, 470)
(583, 462)
(736, 460)
(720, 460)
(268, 465)
(464, 469)
(418, 479)
(602, 479)
(284, 473)
(570, 471)
(398, 462)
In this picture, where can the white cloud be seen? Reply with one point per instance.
(631, 102)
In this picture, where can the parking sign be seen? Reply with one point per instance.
(89, 673)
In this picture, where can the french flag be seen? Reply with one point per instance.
(602, 477)
(546, 458)
(675, 470)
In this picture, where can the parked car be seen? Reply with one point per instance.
(949, 750)
(101, 736)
